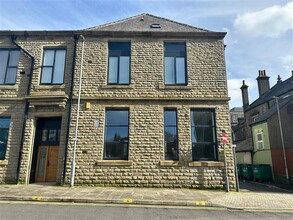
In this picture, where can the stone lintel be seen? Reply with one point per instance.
(114, 163)
(206, 164)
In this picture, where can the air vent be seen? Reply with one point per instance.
(155, 26)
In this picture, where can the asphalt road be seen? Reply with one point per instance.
(44, 211)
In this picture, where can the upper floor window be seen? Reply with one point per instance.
(171, 136)
(175, 63)
(119, 63)
(116, 134)
(53, 66)
(4, 130)
(8, 66)
(259, 139)
(203, 135)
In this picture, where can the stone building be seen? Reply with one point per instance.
(153, 104)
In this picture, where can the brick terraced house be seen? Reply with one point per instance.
(152, 103)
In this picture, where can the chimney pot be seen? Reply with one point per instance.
(279, 79)
(244, 91)
(263, 82)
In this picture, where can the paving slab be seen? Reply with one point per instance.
(148, 196)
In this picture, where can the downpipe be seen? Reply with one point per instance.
(77, 116)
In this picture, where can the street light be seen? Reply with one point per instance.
(282, 139)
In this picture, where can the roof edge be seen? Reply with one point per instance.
(219, 35)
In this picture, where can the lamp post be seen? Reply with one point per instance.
(282, 138)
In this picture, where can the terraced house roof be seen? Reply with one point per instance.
(146, 23)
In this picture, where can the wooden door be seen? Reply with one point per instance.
(47, 162)
(51, 171)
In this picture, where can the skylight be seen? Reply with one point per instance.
(155, 26)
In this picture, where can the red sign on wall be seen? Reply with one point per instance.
(224, 137)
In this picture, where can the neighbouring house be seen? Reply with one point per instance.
(259, 134)
(236, 113)
(143, 101)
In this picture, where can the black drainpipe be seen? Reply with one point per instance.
(76, 37)
(13, 38)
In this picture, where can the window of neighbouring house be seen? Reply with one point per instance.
(171, 136)
(259, 139)
(116, 134)
(53, 66)
(119, 63)
(203, 135)
(4, 130)
(8, 66)
(175, 63)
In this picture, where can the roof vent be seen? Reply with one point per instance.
(142, 19)
(155, 26)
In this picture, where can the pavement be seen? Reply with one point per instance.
(252, 196)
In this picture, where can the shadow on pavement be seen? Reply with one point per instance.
(249, 186)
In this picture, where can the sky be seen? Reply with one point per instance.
(259, 33)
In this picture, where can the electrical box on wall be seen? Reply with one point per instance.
(88, 105)
(96, 123)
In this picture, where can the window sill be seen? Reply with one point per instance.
(170, 163)
(117, 86)
(206, 164)
(44, 87)
(171, 87)
(3, 162)
(114, 163)
(9, 87)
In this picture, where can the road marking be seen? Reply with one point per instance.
(127, 200)
(37, 198)
(200, 203)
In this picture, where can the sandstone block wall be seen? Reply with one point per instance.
(146, 97)
(12, 103)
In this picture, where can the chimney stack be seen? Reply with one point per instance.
(244, 92)
(262, 82)
(279, 79)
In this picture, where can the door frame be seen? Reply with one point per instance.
(42, 123)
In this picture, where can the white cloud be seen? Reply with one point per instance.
(269, 22)
(235, 92)
(287, 61)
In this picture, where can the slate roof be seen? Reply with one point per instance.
(273, 110)
(276, 90)
(143, 23)
(244, 146)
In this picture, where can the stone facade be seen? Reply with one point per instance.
(43, 101)
(146, 97)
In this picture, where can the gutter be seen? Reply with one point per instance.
(13, 39)
(76, 37)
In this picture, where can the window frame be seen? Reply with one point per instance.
(176, 158)
(8, 130)
(260, 141)
(118, 64)
(174, 57)
(214, 128)
(105, 133)
(53, 66)
(7, 65)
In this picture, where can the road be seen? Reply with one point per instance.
(45, 211)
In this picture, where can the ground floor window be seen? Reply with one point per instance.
(171, 136)
(4, 130)
(116, 134)
(203, 135)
